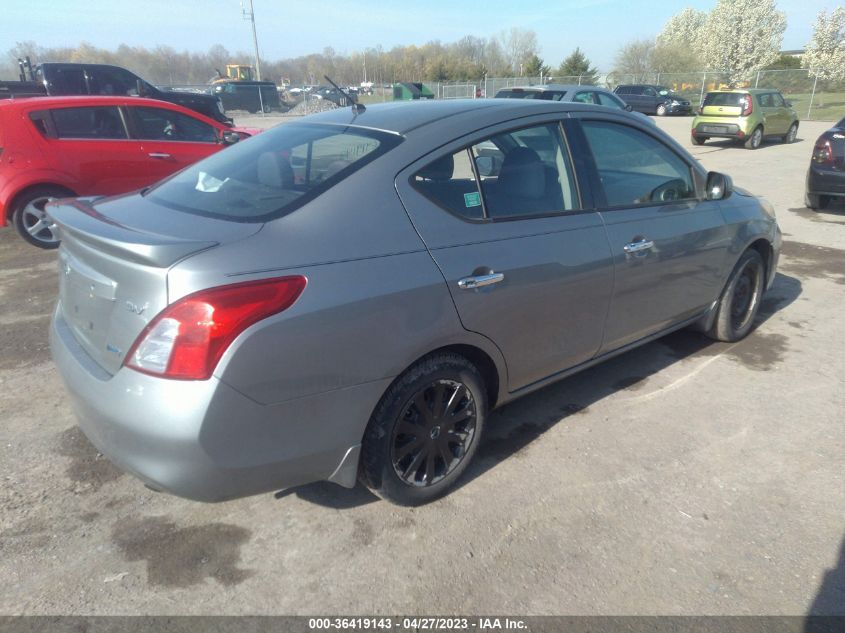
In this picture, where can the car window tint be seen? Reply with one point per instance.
(93, 123)
(112, 81)
(777, 100)
(450, 182)
(160, 124)
(530, 175)
(766, 100)
(609, 100)
(585, 97)
(623, 90)
(731, 99)
(275, 173)
(67, 81)
(650, 92)
(636, 168)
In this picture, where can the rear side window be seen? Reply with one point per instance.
(635, 168)
(67, 81)
(112, 81)
(608, 100)
(522, 173)
(585, 97)
(272, 173)
(89, 123)
(160, 124)
(622, 90)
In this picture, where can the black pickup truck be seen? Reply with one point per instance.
(60, 78)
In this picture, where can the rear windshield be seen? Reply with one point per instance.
(731, 99)
(272, 173)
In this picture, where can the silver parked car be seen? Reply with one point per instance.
(350, 295)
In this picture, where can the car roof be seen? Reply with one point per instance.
(550, 87)
(402, 117)
(37, 103)
(745, 90)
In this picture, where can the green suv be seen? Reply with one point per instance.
(746, 116)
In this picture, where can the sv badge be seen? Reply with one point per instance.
(137, 309)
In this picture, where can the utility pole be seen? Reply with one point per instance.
(250, 15)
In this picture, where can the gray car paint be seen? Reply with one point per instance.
(291, 397)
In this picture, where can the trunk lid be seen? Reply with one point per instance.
(113, 263)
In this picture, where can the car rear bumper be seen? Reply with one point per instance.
(206, 441)
(718, 130)
(825, 182)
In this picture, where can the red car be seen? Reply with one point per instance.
(58, 147)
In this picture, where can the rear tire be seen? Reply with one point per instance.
(815, 201)
(740, 300)
(31, 220)
(756, 139)
(790, 135)
(698, 140)
(425, 431)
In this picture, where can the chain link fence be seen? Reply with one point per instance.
(812, 99)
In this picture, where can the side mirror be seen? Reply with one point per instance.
(719, 186)
(788, 104)
(629, 107)
(229, 137)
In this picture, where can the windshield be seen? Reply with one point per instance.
(273, 173)
(663, 90)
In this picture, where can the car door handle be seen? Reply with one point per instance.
(479, 281)
(159, 155)
(638, 247)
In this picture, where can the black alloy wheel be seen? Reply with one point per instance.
(434, 431)
(425, 431)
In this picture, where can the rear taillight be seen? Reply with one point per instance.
(186, 340)
(822, 152)
(747, 105)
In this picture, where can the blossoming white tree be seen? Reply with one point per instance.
(742, 36)
(825, 53)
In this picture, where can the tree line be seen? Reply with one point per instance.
(737, 37)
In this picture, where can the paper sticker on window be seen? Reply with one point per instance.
(472, 199)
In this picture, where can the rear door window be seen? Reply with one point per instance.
(585, 97)
(111, 81)
(522, 173)
(635, 168)
(100, 122)
(67, 81)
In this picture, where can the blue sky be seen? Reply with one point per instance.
(288, 28)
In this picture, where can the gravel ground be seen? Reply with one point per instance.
(686, 477)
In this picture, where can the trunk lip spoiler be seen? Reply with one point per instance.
(136, 245)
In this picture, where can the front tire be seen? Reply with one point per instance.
(756, 139)
(661, 110)
(425, 431)
(30, 218)
(740, 300)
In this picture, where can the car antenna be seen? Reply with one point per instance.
(357, 107)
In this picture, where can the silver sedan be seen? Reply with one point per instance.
(350, 295)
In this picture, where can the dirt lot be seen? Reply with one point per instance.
(686, 477)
